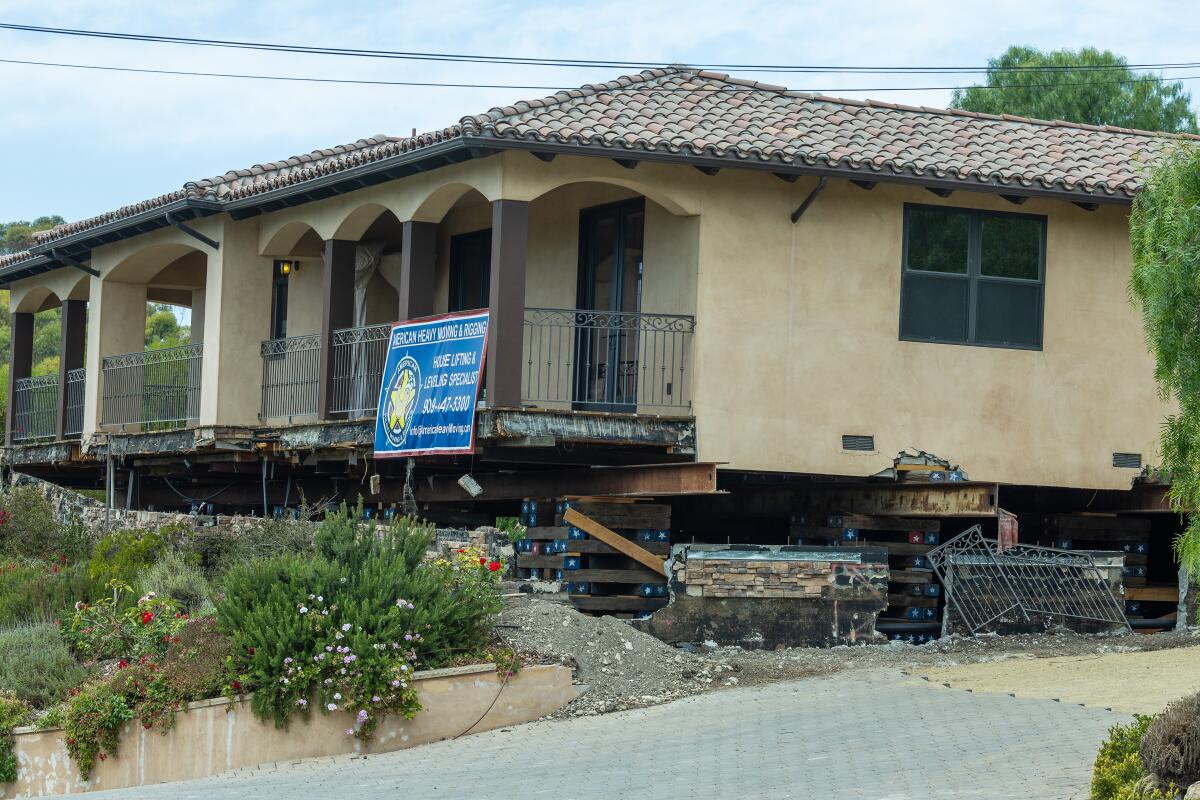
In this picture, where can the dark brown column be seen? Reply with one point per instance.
(72, 339)
(417, 269)
(337, 312)
(21, 364)
(510, 237)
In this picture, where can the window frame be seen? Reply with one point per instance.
(974, 276)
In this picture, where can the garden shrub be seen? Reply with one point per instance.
(40, 591)
(13, 713)
(37, 665)
(29, 529)
(173, 577)
(196, 666)
(110, 628)
(1118, 772)
(92, 725)
(122, 555)
(1170, 747)
(346, 626)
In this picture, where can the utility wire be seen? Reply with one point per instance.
(557, 88)
(563, 62)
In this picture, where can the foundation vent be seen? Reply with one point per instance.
(858, 442)
(1127, 460)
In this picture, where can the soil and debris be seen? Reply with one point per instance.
(618, 667)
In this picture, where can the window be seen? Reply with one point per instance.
(972, 277)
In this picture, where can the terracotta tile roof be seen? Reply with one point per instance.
(690, 113)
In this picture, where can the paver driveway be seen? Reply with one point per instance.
(873, 735)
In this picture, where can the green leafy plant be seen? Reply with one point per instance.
(29, 528)
(40, 591)
(1165, 283)
(1118, 768)
(345, 627)
(122, 555)
(174, 577)
(37, 666)
(195, 666)
(13, 713)
(109, 628)
(512, 528)
(92, 725)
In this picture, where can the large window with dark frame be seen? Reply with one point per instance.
(972, 277)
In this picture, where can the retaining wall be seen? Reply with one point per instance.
(214, 736)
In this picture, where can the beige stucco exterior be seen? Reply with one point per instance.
(797, 325)
(216, 736)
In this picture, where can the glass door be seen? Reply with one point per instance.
(610, 297)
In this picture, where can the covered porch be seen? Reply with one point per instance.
(591, 288)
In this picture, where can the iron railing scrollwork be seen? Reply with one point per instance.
(35, 408)
(154, 388)
(608, 360)
(290, 375)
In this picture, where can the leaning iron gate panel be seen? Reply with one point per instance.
(975, 581)
(984, 583)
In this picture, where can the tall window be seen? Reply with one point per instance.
(972, 277)
(470, 270)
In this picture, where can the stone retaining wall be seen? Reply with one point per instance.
(767, 597)
(216, 736)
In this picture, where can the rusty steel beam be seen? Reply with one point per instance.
(641, 481)
(907, 500)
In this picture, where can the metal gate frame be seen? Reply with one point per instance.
(985, 583)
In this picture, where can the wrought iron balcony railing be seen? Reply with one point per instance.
(608, 361)
(73, 425)
(357, 369)
(35, 408)
(153, 389)
(291, 369)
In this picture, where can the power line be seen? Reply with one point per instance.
(558, 88)
(563, 62)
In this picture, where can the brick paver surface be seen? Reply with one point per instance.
(873, 735)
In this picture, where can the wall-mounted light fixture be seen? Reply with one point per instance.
(286, 268)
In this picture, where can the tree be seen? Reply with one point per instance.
(163, 329)
(18, 236)
(1164, 237)
(1089, 86)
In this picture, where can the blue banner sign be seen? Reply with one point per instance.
(430, 385)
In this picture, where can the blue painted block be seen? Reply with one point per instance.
(571, 562)
(576, 533)
(578, 588)
(914, 613)
(849, 534)
(1062, 544)
(930, 613)
(919, 561)
(662, 536)
(932, 590)
(558, 574)
(645, 535)
(389, 514)
(932, 538)
(535, 574)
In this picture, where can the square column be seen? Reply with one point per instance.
(20, 365)
(71, 345)
(506, 303)
(337, 311)
(417, 269)
(118, 326)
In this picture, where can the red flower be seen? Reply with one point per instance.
(237, 687)
(482, 561)
(494, 566)
(122, 664)
(250, 650)
(461, 550)
(146, 617)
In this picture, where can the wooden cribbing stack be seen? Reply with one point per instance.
(608, 554)
(914, 596)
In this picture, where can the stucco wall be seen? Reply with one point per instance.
(215, 736)
(798, 343)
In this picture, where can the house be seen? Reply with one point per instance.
(705, 282)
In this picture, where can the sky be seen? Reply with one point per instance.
(79, 143)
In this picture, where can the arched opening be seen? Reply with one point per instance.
(151, 337)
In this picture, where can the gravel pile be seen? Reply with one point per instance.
(618, 667)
